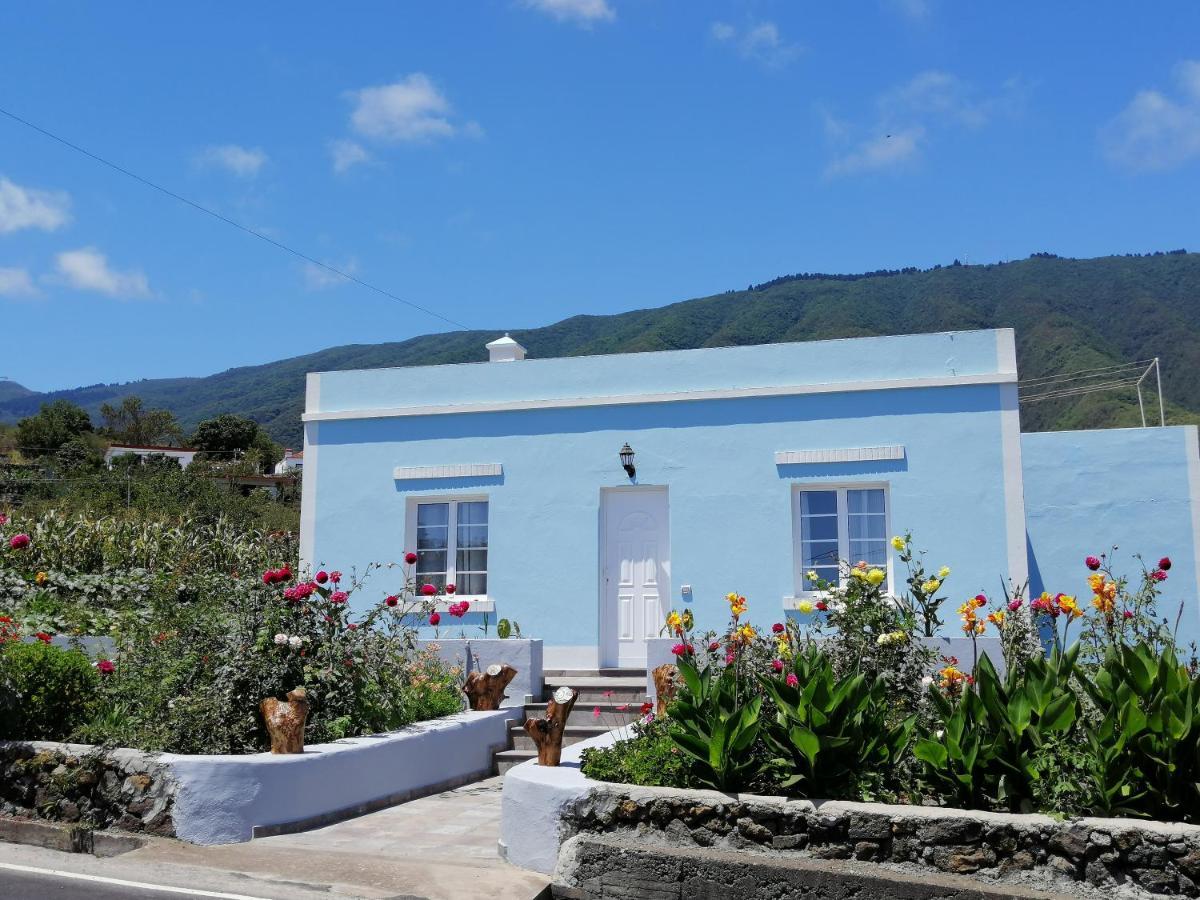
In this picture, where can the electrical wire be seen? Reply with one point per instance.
(228, 221)
(1085, 373)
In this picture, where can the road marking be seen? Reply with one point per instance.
(120, 882)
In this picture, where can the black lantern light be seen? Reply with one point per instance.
(627, 460)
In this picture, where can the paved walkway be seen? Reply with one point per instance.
(441, 847)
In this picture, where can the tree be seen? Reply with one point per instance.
(132, 423)
(54, 425)
(228, 437)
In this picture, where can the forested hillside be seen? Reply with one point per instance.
(1069, 314)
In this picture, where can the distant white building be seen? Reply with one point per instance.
(293, 461)
(184, 455)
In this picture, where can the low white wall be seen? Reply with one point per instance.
(223, 799)
(530, 811)
(523, 654)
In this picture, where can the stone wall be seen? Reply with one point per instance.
(87, 786)
(1032, 850)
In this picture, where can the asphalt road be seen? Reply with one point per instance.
(16, 885)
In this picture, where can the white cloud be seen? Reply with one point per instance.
(318, 278)
(86, 269)
(580, 12)
(884, 152)
(241, 161)
(909, 116)
(410, 110)
(347, 154)
(762, 43)
(22, 207)
(16, 283)
(1154, 131)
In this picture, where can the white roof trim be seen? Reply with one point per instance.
(837, 387)
(468, 470)
(847, 454)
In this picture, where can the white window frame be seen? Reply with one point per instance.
(479, 602)
(843, 524)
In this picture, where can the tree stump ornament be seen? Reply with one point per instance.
(547, 732)
(666, 683)
(486, 690)
(285, 721)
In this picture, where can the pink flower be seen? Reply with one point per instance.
(410, 557)
(729, 658)
(679, 649)
(338, 597)
(777, 628)
(1128, 614)
(1164, 563)
(1014, 604)
(428, 590)
(1092, 563)
(268, 577)
(335, 577)
(623, 707)
(104, 667)
(607, 694)
(451, 588)
(391, 600)
(792, 680)
(980, 600)
(3, 519)
(434, 618)
(1158, 575)
(458, 610)
(777, 665)
(596, 713)
(18, 541)
(351, 626)
(714, 646)
(321, 577)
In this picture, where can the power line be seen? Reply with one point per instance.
(1084, 373)
(228, 221)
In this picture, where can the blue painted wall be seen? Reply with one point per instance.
(731, 525)
(1133, 487)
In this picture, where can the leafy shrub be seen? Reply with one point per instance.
(651, 758)
(53, 690)
(717, 722)
(831, 731)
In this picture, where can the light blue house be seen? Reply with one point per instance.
(743, 468)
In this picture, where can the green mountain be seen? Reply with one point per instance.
(1069, 315)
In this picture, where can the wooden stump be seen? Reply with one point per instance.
(666, 682)
(547, 732)
(285, 721)
(486, 690)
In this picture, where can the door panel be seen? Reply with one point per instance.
(636, 576)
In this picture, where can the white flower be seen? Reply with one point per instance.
(294, 642)
(926, 681)
(281, 639)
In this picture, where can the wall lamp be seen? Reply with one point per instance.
(627, 460)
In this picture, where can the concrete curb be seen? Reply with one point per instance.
(66, 838)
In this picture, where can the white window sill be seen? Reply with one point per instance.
(478, 604)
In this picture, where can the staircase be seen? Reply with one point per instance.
(608, 699)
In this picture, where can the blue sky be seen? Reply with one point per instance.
(513, 162)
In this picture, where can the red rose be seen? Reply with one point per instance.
(43, 637)
(104, 667)
(822, 605)
(980, 600)
(777, 628)
(434, 618)
(18, 541)
(647, 707)
(285, 573)
(714, 646)
(338, 597)
(321, 577)
(428, 590)
(1092, 563)
(351, 626)
(410, 557)
(1164, 563)
(451, 588)
(1158, 575)
(391, 600)
(335, 577)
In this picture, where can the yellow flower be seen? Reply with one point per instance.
(805, 607)
(811, 576)
(674, 620)
(783, 649)
(876, 576)
(737, 604)
(1069, 606)
(898, 543)
(943, 572)
(858, 573)
(1096, 582)
(931, 586)
(688, 620)
(997, 617)
(745, 634)
(41, 577)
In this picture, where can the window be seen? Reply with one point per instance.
(839, 523)
(452, 544)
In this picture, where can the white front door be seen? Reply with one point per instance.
(636, 576)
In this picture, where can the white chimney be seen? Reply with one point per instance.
(505, 349)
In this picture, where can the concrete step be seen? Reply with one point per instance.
(519, 740)
(565, 674)
(506, 759)
(594, 689)
(585, 713)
